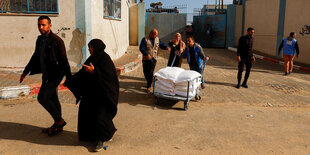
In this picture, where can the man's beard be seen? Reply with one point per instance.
(43, 32)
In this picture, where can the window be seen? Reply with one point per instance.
(112, 8)
(29, 6)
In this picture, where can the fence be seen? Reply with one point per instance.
(167, 24)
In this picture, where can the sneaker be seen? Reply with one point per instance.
(203, 86)
(99, 146)
(238, 86)
(245, 85)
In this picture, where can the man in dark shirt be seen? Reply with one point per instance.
(50, 59)
(149, 48)
(193, 64)
(245, 56)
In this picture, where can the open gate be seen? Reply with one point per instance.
(216, 36)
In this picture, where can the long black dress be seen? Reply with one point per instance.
(178, 59)
(99, 94)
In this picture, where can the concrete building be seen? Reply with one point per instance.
(273, 21)
(212, 9)
(75, 21)
(137, 23)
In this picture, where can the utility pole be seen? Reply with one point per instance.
(220, 4)
(215, 5)
(207, 7)
(243, 17)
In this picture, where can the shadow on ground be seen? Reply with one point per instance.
(221, 83)
(33, 134)
(133, 92)
(171, 104)
(225, 59)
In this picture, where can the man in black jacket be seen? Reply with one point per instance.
(245, 56)
(50, 59)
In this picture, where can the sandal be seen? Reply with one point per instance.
(45, 130)
(54, 129)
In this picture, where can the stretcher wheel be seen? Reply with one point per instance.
(185, 105)
(156, 100)
(198, 97)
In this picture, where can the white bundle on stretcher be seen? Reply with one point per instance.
(174, 81)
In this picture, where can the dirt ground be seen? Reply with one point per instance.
(272, 116)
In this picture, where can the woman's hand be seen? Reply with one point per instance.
(22, 77)
(182, 47)
(89, 69)
(177, 52)
(175, 42)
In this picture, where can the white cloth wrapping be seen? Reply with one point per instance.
(182, 83)
(164, 86)
(187, 75)
(174, 81)
(169, 73)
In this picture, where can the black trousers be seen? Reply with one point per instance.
(148, 70)
(247, 61)
(48, 97)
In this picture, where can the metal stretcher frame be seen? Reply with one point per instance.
(177, 97)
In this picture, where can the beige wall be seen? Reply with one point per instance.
(262, 15)
(297, 15)
(19, 33)
(238, 26)
(133, 22)
(114, 33)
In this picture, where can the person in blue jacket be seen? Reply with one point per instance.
(195, 56)
(289, 46)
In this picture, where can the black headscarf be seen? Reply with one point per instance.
(98, 48)
(105, 75)
(103, 84)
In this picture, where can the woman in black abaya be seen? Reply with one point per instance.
(177, 46)
(97, 86)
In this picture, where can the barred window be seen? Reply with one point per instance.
(29, 6)
(112, 8)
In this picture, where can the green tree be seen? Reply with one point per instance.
(155, 5)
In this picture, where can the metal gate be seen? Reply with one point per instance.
(167, 25)
(231, 25)
(216, 36)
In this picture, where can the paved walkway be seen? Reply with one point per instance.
(266, 83)
(270, 117)
(9, 77)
